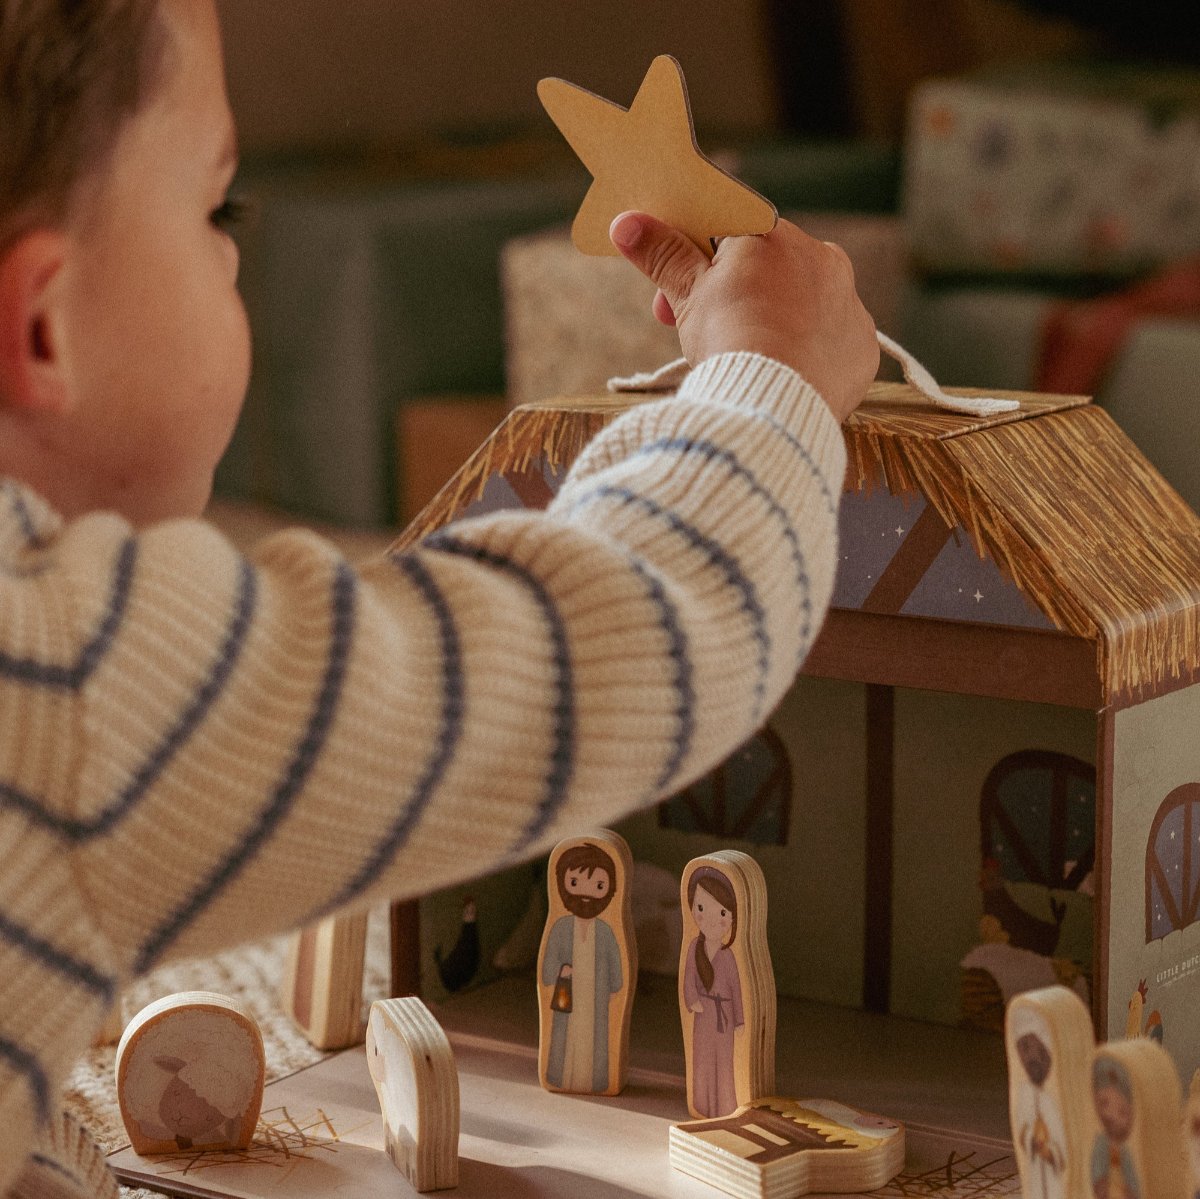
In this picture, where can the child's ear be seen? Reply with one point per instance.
(33, 378)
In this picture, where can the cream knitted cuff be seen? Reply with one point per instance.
(744, 380)
(65, 1164)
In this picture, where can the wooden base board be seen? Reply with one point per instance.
(321, 1131)
(916, 1072)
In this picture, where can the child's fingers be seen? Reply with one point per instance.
(662, 253)
(661, 307)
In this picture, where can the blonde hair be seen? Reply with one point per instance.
(71, 73)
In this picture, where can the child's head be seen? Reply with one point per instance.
(73, 74)
(124, 351)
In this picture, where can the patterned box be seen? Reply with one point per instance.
(1077, 170)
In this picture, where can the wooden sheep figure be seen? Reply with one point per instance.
(412, 1066)
(1049, 1041)
(1136, 1151)
(727, 998)
(190, 1070)
(587, 966)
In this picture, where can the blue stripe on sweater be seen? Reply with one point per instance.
(712, 452)
(685, 713)
(33, 540)
(20, 1059)
(343, 599)
(26, 670)
(15, 800)
(82, 973)
(202, 700)
(562, 758)
(31, 570)
(449, 734)
(801, 451)
(198, 706)
(719, 557)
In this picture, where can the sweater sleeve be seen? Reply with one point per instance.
(260, 740)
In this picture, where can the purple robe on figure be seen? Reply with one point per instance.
(713, 1091)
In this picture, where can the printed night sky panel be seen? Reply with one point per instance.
(962, 586)
(498, 494)
(958, 585)
(872, 527)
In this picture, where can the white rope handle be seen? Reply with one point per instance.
(927, 385)
(670, 376)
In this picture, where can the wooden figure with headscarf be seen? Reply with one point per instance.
(726, 984)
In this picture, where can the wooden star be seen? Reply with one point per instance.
(646, 158)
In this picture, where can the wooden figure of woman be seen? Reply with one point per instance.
(1135, 1150)
(726, 987)
(587, 967)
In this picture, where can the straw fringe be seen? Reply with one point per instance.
(543, 434)
(1074, 516)
(1064, 504)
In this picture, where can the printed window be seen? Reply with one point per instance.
(747, 798)
(1173, 864)
(1038, 819)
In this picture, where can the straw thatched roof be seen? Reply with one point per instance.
(1054, 493)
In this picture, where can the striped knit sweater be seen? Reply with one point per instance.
(199, 747)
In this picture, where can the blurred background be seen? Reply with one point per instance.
(1018, 185)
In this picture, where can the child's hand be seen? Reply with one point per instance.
(783, 294)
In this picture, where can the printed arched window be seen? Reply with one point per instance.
(1173, 864)
(1037, 819)
(747, 798)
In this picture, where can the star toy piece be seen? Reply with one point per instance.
(646, 159)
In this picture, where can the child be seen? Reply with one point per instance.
(198, 747)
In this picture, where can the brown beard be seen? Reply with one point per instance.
(586, 907)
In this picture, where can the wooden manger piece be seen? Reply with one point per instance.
(779, 1148)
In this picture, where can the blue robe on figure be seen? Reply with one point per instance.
(608, 981)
